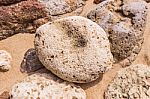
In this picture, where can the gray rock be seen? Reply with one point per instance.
(132, 82)
(31, 62)
(59, 7)
(124, 22)
(98, 1)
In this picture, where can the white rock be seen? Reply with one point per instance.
(74, 48)
(46, 86)
(5, 60)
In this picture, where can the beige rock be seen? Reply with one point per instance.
(59, 7)
(74, 48)
(5, 60)
(46, 86)
(132, 82)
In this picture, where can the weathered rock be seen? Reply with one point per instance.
(74, 48)
(30, 62)
(21, 17)
(7, 2)
(5, 60)
(46, 86)
(18, 18)
(59, 7)
(132, 82)
(124, 21)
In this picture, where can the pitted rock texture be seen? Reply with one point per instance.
(18, 18)
(124, 21)
(27, 16)
(46, 86)
(132, 82)
(5, 60)
(74, 48)
(59, 7)
(30, 62)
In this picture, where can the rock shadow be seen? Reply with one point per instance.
(91, 84)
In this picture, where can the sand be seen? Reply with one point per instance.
(18, 44)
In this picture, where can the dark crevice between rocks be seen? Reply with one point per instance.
(90, 84)
(9, 2)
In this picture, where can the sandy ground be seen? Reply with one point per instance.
(18, 44)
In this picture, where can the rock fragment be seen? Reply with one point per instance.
(31, 62)
(46, 86)
(18, 18)
(124, 21)
(132, 82)
(5, 60)
(59, 7)
(27, 16)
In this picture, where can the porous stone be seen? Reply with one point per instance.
(27, 16)
(124, 21)
(46, 86)
(18, 18)
(132, 82)
(30, 62)
(74, 48)
(59, 7)
(5, 60)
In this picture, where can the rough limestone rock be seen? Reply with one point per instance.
(46, 86)
(5, 60)
(124, 21)
(27, 16)
(30, 62)
(59, 7)
(130, 83)
(74, 48)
